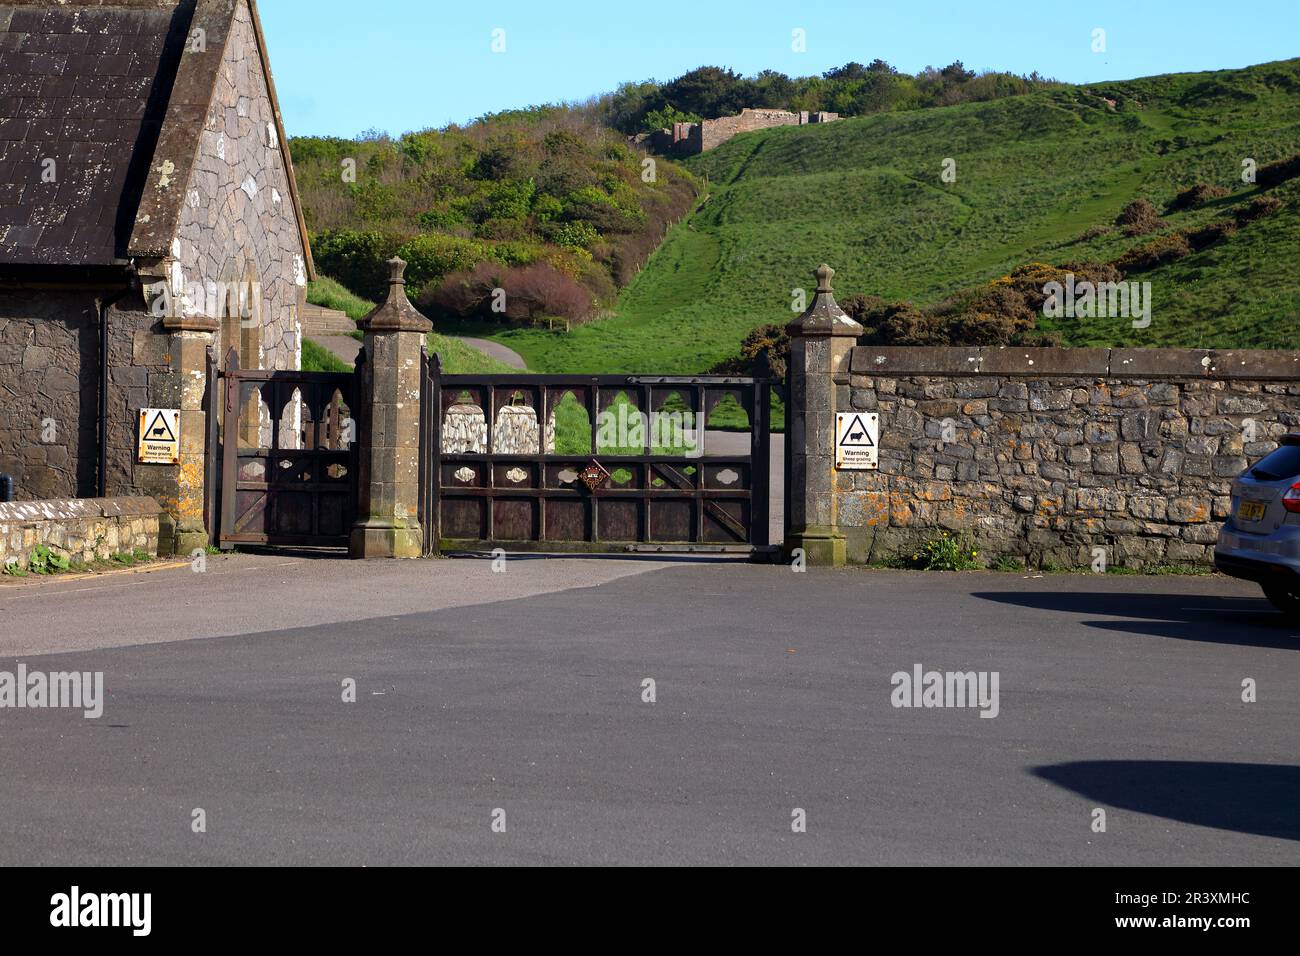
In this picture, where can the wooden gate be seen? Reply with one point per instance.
(595, 463)
(288, 457)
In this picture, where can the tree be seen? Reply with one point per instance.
(709, 91)
(849, 71)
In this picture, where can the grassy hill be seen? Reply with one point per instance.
(1034, 173)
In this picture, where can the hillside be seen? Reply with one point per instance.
(544, 203)
(1034, 173)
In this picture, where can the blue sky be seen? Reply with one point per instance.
(343, 66)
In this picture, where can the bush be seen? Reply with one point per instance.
(948, 552)
(532, 293)
(1158, 252)
(1195, 195)
(1208, 235)
(357, 259)
(1274, 174)
(1139, 218)
(431, 257)
(1257, 208)
(575, 235)
(769, 340)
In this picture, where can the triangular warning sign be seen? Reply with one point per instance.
(857, 435)
(159, 430)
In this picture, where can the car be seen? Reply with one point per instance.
(1260, 541)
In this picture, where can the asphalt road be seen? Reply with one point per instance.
(523, 691)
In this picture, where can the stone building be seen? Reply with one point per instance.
(690, 139)
(148, 210)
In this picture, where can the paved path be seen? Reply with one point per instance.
(497, 351)
(343, 346)
(346, 348)
(523, 691)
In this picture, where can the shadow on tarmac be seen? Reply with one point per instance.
(1253, 798)
(1246, 622)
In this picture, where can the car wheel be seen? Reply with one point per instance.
(1284, 597)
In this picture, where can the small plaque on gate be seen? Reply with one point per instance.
(593, 476)
(857, 441)
(160, 436)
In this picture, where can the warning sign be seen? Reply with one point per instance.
(160, 436)
(857, 440)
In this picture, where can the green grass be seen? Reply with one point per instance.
(329, 294)
(1033, 173)
(317, 358)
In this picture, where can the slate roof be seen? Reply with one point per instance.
(84, 84)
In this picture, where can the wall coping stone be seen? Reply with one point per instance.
(63, 509)
(1120, 363)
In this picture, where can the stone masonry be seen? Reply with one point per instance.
(690, 139)
(1046, 454)
(238, 222)
(78, 529)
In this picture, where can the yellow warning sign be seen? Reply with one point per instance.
(160, 436)
(857, 441)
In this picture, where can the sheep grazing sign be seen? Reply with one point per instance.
(160, 436)
(857, 441)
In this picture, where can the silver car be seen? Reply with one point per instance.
(1261, 540)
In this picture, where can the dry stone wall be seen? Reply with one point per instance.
(79, 529)
(1047, 454)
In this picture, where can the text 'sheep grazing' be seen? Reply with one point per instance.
(36, 690)
(946, 689)
(75, 909)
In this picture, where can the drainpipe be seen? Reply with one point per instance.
(103, 305)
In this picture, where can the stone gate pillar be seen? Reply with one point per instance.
(182, 529)
(388, 524)
(820, 343)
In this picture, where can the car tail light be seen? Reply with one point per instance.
(1291, 500)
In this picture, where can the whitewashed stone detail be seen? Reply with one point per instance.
(516, 431)
(464, 431)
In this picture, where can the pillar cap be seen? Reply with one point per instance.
(824, 317)
(396, 314)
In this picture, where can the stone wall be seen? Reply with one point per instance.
(1047, 454)
(49, 347)
(49, 393)
(79, 529)
(689, 139)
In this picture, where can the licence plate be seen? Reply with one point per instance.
(1251, 511)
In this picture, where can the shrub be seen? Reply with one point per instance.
(1139, 218)
(948, 552)
(769, 340)
(1158, 252)
(532, 293)
(1274, 174)
(1195, 195)
(44, 561)
(357, 259)
(1095, 232)
(431, 257)
(575, 235)
(1257, 208)
(1208, 235)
